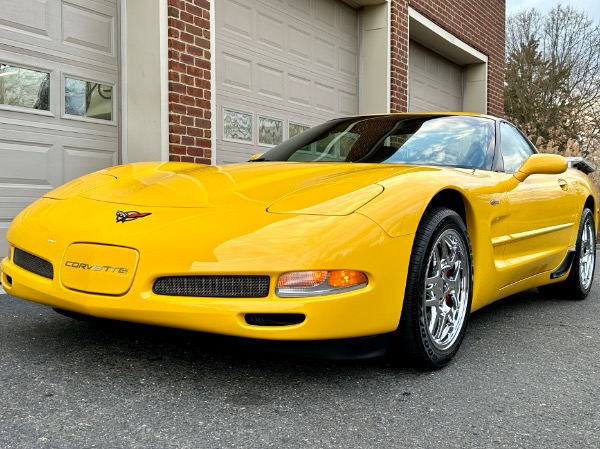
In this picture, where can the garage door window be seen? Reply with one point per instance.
(270, 131)
(237, 126)
(24, 88)
(295, 129)
(88, 99)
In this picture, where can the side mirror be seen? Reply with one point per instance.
(541, 164)
(255, 156)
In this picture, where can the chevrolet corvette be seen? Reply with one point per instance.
(361, 236)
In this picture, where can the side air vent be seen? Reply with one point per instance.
(213, 286)
(33, 263)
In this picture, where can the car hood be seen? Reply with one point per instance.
(280, 187)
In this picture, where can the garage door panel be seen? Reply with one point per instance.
(77, 30)
(297, 64)
(269, 81)
(325, 12)
(270, 31)
(79, 161)
(25, 162)
(27, 17)
(235, 18)
(3, 243)
(299, 90)
(348, 62)
(435, 83)
(347, 21)
(302, 6)
(324, 54)
(306, 56)
(45, 127)
(348, 102)
(325, 98)
(236, 72)
(89, 30)
(297, 47)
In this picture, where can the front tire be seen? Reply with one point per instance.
(438, 295)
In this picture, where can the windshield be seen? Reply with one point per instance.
(457, 141)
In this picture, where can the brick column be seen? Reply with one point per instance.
(190, 81)
(399, 56)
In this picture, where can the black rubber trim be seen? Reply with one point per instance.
(339, 349)
(564, 266)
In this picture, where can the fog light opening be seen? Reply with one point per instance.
(8, 280)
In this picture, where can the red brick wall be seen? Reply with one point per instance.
(479, 23)
(189, 81)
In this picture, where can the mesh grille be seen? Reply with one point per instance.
(33, 263)
(213, 286)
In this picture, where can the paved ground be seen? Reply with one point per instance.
(527, 376)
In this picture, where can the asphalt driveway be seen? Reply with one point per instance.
(527, 376)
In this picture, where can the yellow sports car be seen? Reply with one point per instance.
(360, 236)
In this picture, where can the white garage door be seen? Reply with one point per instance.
(282, 66)
(58, 99)
(435, 83)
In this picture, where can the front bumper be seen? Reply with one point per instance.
(369, 311)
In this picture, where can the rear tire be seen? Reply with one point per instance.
(578, 284)
(438, 295)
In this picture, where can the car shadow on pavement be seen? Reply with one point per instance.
(113, 345)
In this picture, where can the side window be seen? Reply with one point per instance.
(514, 148)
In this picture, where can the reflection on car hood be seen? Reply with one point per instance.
(234, 186)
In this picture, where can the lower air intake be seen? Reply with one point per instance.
(33, 263)
(213, 286)
(274, 319)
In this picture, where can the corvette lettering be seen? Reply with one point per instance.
(104, 268)
(123, 216)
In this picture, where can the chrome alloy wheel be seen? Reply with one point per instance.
(446, 289)
(587, 255)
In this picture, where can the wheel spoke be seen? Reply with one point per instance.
(437, 324)
(446, 289)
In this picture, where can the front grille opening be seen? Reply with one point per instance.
(227, 286)
(274, 319)
(9, 280)
(33, 263)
